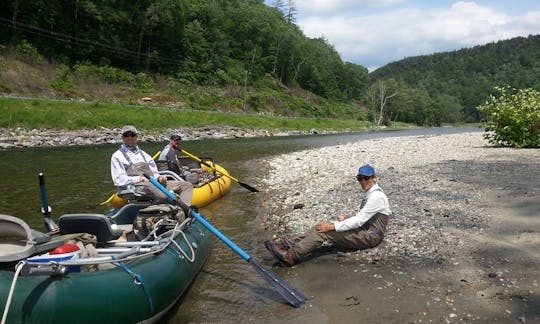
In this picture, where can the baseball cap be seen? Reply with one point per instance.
(176, 137)
(366, 170)
(129, 128)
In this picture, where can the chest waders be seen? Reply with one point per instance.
(143, 190)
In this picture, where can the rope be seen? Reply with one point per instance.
(18, 269)
(138, 279)
(190, 259)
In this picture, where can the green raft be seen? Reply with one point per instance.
(134, 281)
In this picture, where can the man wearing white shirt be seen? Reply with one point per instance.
(362, 231)
(129, 163)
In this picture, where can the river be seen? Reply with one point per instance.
(227, 290)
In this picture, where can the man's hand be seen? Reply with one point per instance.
(325, 227)
(162, 180)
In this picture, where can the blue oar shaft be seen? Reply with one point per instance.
(204, 222)
(220, 236)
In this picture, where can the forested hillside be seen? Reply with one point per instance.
(238, 55)
(463, 79)
(205, 42)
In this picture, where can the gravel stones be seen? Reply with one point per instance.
(22, 137)
(423, 177)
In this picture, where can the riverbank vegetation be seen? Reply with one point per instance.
(55, 114)
(514, 118)
(238, 57)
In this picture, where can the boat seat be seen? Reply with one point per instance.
(18, 241)
(96, 224)
(127, 213)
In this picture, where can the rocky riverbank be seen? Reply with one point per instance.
(13, 138)
(463, 244)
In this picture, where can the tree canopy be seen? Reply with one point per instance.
(466, 77)
(204, 42)
(243, 43)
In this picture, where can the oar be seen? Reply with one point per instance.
(46, 210)
(245, 185)
(291, 295)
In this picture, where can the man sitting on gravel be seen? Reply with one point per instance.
(129, 163)
(362, 231)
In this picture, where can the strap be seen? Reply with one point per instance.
(121, 149)
(138, 280)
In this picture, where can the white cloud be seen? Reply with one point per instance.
(376, 39)
(310, 7)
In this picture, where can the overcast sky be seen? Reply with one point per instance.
(373, 33)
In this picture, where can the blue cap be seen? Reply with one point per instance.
(366, 170)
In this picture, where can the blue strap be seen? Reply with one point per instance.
(139, 281)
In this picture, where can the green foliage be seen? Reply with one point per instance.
(112, 75)
(514, 117)
(28, 52)
(211, 43)
(463, 78)
(3, 64)
(63, 84)
(74, 115)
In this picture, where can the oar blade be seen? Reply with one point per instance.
(291, 295)
(248, 187)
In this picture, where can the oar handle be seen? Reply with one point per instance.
(200, 219)
(45, 208)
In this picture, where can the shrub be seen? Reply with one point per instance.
(112, 75)
(28, 52)
(513, 117)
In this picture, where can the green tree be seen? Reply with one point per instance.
(513, 117)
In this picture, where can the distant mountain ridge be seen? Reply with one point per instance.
(469, 74)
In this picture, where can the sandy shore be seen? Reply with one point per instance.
(463, 244)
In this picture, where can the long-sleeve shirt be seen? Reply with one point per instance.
(168, 154)
(376, 202)
(119, 165)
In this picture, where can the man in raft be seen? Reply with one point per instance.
(129, 163)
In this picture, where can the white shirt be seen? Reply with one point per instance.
(119, 165)
(376, 202)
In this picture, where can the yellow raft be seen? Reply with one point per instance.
(213, 183)
(213, 189)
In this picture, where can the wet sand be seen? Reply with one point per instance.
(463, 244)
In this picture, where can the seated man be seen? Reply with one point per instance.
(169, 154)
(129, 163)
(364, 230)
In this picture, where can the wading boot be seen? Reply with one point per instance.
(281, 252)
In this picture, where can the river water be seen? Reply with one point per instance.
(228, 289)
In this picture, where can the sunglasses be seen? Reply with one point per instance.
(362, 177)
(129, 134)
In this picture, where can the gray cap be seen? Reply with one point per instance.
(129, 128)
